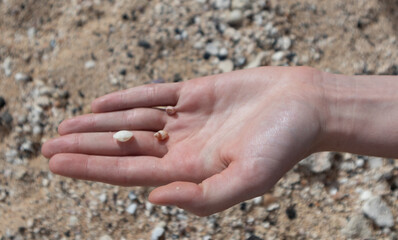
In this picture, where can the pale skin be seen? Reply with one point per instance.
(233, 136)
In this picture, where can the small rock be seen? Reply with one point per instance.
(375, 162)
(7, 64)
(257, 62)
(31, 33)
(6, 119)
(11, 155)
(144, 44)
(103, 197)
(27, 147)
(357, 227)
(158, 231)
(223, 53)
(2, 102)
(318, 162)
(292, 178)
(241, 4)
(278, 56)
(43, 101)
(132, 196)
(365, 195)
(37, 130)
(105, 237)
(89, 64)
(131, 208)
(377, 210)
(73, 221)
(20, 173)
(212, 49)
(254, 237)
(226, 66)
(291, 212)
(222, 4)
(235, 18)
(347, 166)
(273, 207)
(22, 78)
(284, 43)
(239, 61)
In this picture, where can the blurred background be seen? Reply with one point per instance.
(57, 56)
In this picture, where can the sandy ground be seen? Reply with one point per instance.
(348, 37)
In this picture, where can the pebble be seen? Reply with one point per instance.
(318, 162)
(223, 53)
(89, 64)
(6, 119)
(375, 162)
(377, 210)
(212, 49)
(357, 227)
(241, 4)
(284, 43)
(158, 231)
(27, 147)
(222, 4)
(7, 64)
(43, 101)
(22, 77)
(105, 237)
(278, 56)
(132, 196)
(144, 44)
(257, 61)
(226, 66)
(131, 208)
(2, 102)
(235, 18)
(273, 207)
(73, 221)
(103, 197)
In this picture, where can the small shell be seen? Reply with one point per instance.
(161, 135)
(170, 110)
(123, 136)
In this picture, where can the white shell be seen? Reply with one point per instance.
(123, 136)
(161, 135)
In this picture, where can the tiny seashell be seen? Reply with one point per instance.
(123, 136)
(170, 110)
(161, 135)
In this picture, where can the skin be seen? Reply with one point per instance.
(233, 137)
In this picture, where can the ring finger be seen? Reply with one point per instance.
(142, 143)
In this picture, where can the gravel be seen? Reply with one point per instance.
(22, 77)
(357, 227)
(2, 102)
(378, 210)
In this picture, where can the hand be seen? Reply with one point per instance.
(233, 137)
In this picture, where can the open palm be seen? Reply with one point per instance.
(233, 137)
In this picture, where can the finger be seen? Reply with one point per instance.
(142, 143)
(125, 171)
(143, 96)
(214, 194)
(135, 119)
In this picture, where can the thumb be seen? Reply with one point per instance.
(217, 193)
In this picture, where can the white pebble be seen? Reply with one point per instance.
(89, 64)
(132, 208)
(123, 136)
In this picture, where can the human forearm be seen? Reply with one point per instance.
(361, 114)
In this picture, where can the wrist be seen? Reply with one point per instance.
(360, 114)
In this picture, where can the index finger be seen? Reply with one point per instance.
(151, 95)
